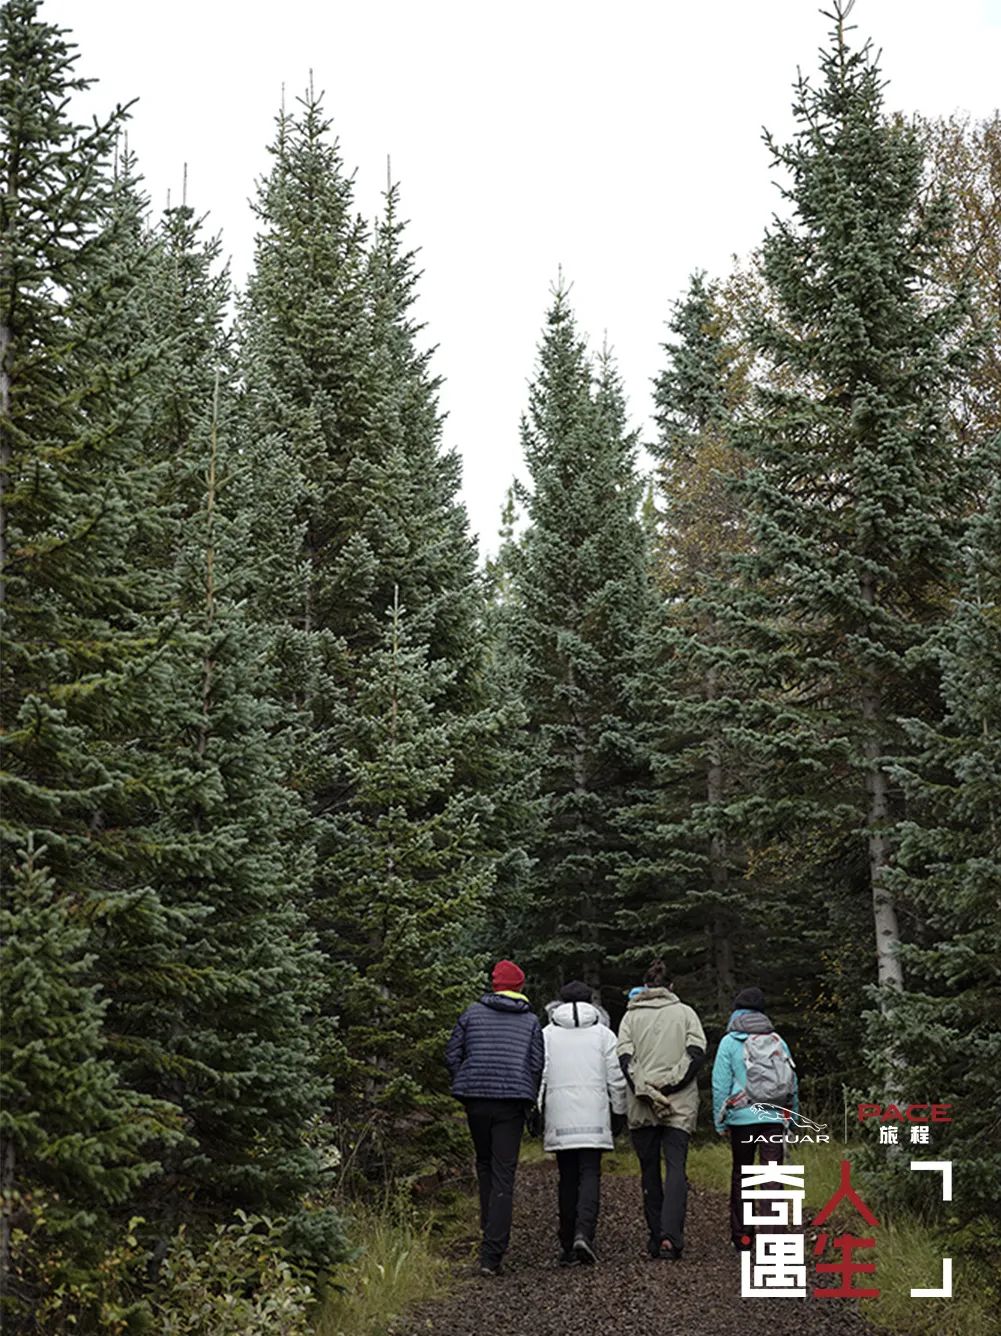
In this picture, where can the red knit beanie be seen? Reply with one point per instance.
(507, 977)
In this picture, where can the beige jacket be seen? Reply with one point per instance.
(655, 1034)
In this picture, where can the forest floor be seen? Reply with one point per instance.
(626, 1294)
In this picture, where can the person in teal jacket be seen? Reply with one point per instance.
(752, 1123)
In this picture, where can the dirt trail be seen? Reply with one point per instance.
(625, 1294)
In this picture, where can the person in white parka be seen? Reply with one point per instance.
(582, 1086)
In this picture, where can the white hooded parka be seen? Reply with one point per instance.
(581, 1077)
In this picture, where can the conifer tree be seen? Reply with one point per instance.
(580, 597)
(437, 569)
(407, 856)
(949, 866)
(853, 490)
(78, 665)
(61, 510)
(964, 163)
(221, 1028)
(359, 515)
(445, 597)
(127, 713)
(687, 900)
(304, 351)
(72, 1139)
(498, 568)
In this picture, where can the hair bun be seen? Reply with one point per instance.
(656, 975)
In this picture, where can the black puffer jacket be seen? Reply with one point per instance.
(496, 1050)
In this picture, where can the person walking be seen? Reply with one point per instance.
(495, 1057)
(662, 1048)
(582, 1087)
(755, 1096)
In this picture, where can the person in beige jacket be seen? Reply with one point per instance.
(661, 1048)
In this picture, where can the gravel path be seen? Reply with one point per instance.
(625, 1294)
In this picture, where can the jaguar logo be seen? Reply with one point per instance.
(810, 1130)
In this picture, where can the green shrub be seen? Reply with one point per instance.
(61, 1281)
(315, 1242)
(250, 1277)
(237, 1281)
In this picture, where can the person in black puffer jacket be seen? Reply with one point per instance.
(495, 1057)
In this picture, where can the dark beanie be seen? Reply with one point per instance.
(576, 992)
(749, 999)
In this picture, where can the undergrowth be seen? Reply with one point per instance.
(908, 1252)
(401, 1261)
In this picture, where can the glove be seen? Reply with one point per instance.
(533, 1121)
(619, 1123)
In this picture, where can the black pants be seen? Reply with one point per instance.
(496, 1126)
(665, 1201)
(580, 1194)
(743, 1148)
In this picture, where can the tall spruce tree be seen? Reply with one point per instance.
(517, 808)
(62, 514)
(131, 730)
(437, 572)
(359, 516)
(407, 856)
(949, 866)
(853, 493)
(78, 663)
(686, 897)
(964, 162)
(580, 596)
(73, 1139)
(306, 357)
(704, 380)
(218, 1022)
(304, 354)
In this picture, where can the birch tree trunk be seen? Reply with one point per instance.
(8, 1164)
(719, 928)
(889, 973)
(592, 962)
(6, 342)
(6, 448)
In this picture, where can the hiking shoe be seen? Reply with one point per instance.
(667, 1252)
(568, 1257)
(584, 1250)
(653, 1247)
(490, 1268)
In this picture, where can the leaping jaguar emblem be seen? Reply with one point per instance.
(787, 1116)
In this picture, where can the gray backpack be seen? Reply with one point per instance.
(770, 1073)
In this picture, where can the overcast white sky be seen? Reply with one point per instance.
(619, 141)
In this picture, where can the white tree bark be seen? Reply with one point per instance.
(5, 447)
(722, 946)
(8, 1164)
(889, 972)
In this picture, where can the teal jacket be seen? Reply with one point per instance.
(728, 1079)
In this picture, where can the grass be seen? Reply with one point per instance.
(908, 1252)
(402, 1257)
(400, 1263)
(910, 1256)
(709, 1166)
